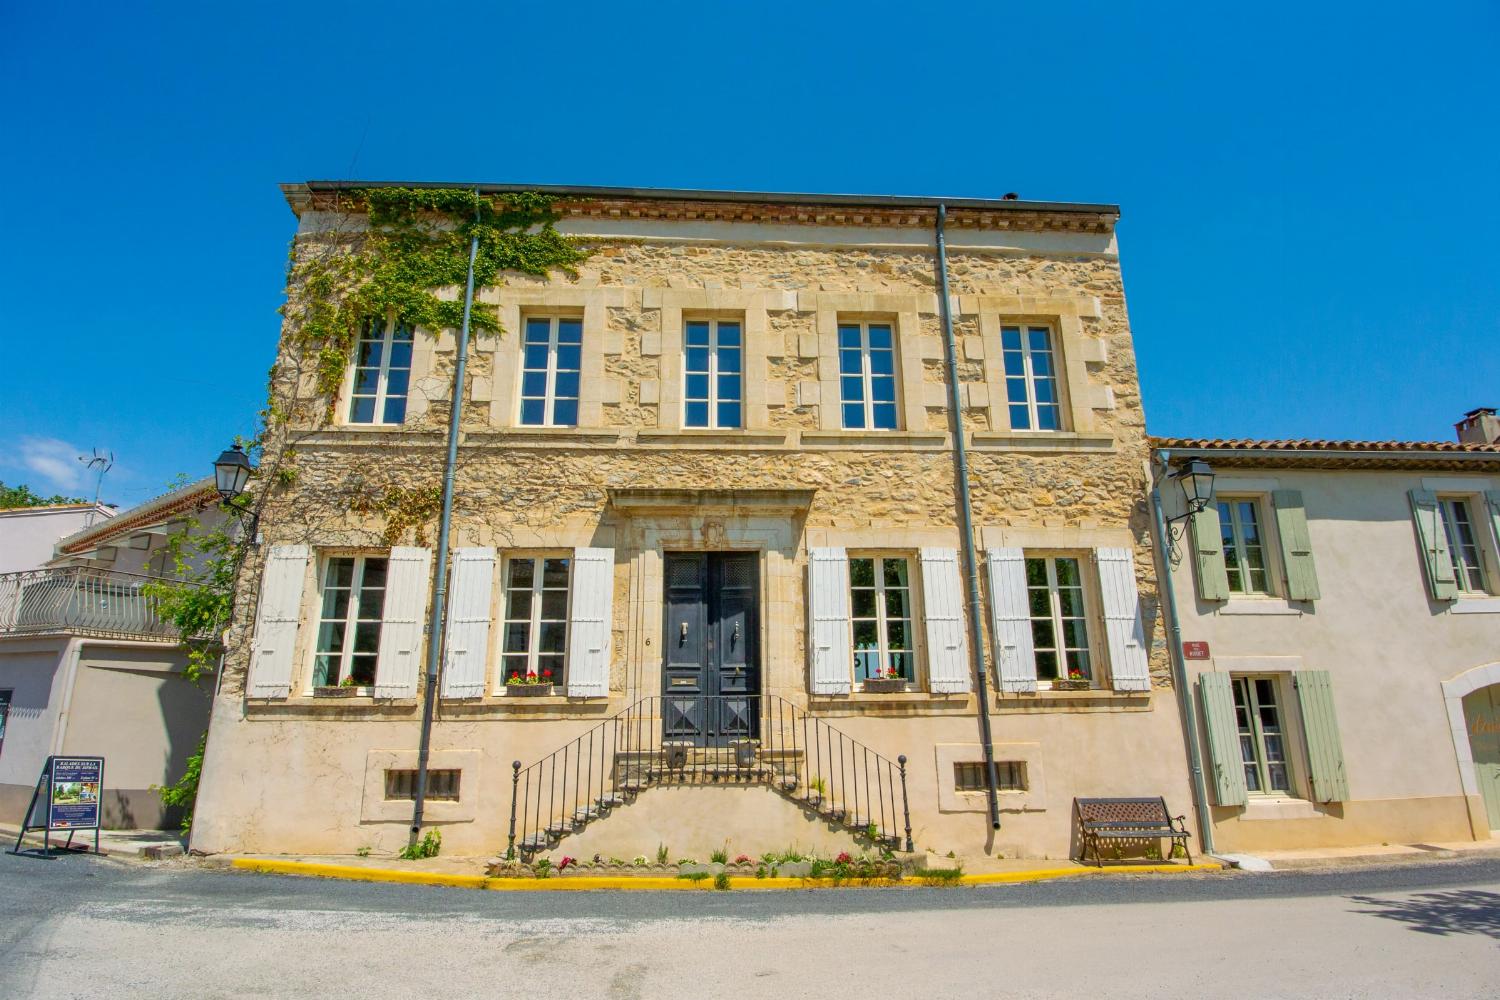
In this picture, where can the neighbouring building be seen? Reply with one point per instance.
(706, 489)
(87, 666)
(1340, 607)
(27, 534)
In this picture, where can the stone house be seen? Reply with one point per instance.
(88, 667)
(706, 488)
(1340, 605)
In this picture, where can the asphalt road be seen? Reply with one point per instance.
(82, 927)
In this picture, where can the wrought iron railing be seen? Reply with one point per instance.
(76, 599)
(744, 739)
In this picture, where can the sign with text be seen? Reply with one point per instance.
(1195, 650)
(73, 799)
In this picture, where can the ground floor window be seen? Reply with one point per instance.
(536, 618)
(442, 784)
(353, 601)
(881, 616)
(1059, 618)
(1258, 715)
(1010, 776)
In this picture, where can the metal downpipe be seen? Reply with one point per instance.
(1179, 668)
(435, 636)
(966, 522)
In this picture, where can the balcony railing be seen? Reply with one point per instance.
(78, 600)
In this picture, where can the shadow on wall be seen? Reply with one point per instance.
(1460, 911)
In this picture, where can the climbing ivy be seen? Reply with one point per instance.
(416, 245)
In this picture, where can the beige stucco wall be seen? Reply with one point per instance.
(292, 775)
(1387, 645)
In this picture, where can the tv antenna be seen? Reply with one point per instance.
(99, 464)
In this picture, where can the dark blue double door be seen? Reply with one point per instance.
(711, 654)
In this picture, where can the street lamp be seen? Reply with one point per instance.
(231, 473)
(1197, 482)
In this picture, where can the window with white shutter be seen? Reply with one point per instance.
(408, 581)
(276, 620)
(590, 630)
(943, 621)
(829, 639)
(1010, 622)
(1124, 630)
(467, 642)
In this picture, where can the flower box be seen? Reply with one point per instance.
(885, 685)
(1072, 684)
(527, 690)
(341, 691)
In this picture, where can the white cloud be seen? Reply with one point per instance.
(56, 462)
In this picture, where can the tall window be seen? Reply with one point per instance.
(549, 372)
(536, 618)
(713, 391)
(867, 375)
(1059, 618)
(880, 606)
(1463, 548)
(1031, 378)
(382, 369)
(349, 622)
(1244, 549)
(1262, 746)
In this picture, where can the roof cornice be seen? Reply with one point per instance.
(1232, 453)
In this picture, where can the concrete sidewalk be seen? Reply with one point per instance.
(1372, 854)
(144, 845)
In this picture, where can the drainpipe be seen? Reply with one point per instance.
(1179, 666)
(435, 637)
(966, 522)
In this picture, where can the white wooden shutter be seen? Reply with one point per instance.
(408, 577)
(943, 619)
(468, 636)
(830, 646)
(276, 619)
(590, 622)
(1010, 620)
(1122, 620)
(1442, 581)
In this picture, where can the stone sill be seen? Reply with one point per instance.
(693, 437)
(1258, 606)
(895, 440)
(1476, 606)
(550, 437)
(372, 436)
(1043, 442)
(901, 703)
(1097, 698)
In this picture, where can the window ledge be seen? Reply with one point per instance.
(1279, 808)
(549, 436)
(1047, 695)
(1476, 606)
(899, 702)
(1258, 606)
(1041, 441)
(696, 435)
(372, 436)
(873, 439)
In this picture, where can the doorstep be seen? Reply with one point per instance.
(1364, 854)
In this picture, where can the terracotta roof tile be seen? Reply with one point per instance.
(1310, 444)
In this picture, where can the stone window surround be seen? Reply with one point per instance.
(1075, 350)
(376, 808)
(1454, 691)
(748, 306)
(951, 800)
(1259, 489)
(1472, 490)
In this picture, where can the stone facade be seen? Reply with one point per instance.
(293, 773)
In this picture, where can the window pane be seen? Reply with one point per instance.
(362, 670)
(1047, 418)
(365, 381)
(371, 603)
(1010, 338)
(1078, 659)
(362, 410)
(516, 636)
(1015, 390)
(555, 604)
(880, 337)
(555, 573)
(849, 337)
(1046, 666)
(885, 416)
(883, 390)
(395, 382)
(395, 410)
(866, 635)
(331, 637)
(1067, 573)
(514, 666)
(897, 635)
(729, 334)
(1070, 601)
(862, 572)
(401, 354)
(1042, 634)
(729, 359)
(1038, 338)
(851, 362)
(518, 605)
(532, 412)
(553, 637)
(565, 412)
(550, 668)
(521, 571)
(882, 363)
(1020, 419)
(697, 359)
(570, 331)
(697, 387)
(862, 603)
(854, 416)
(568, 357)
(729, 414)
(1015, 364)
(851, 389)
(894, 571)
(729, 387)
(566, 386)
(323, 670)
(537, 331)
(367, 637)
(697, 334)
(534, 384)
(536, 357)
(696, 415)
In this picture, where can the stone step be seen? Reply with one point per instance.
(610, 801)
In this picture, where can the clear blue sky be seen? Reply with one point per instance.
(1310, 208)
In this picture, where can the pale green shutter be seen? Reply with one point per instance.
(1492, 501)
(1320, 726)
(1223, 732)
(1296, 546)
(1208, 545)
(1428, 514)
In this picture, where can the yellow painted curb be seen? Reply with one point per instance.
(357, 873)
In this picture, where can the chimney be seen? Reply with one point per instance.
(1479, 426)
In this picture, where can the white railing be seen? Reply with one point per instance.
(74, 599)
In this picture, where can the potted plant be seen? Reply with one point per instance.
(888, 681)
(530, 684)
(1075, 681)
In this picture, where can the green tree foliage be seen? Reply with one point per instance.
(21, 496)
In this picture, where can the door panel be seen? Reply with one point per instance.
(1482, 714)
(711, 661)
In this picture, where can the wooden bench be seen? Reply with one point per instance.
(1127, 819)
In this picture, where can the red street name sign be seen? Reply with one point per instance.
(1195, 650)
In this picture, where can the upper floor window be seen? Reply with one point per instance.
(880, 613)
(1463, 544)
(1031, 378)
(1059, 618)
(713, 366)
(349, 620)
(1244, 549)
(867, 376)
(549, 371)
(382, 369)
(536, 618)
(1262, 745)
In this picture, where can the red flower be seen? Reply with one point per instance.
(547, 672)
(843, 858)
(566, 861)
